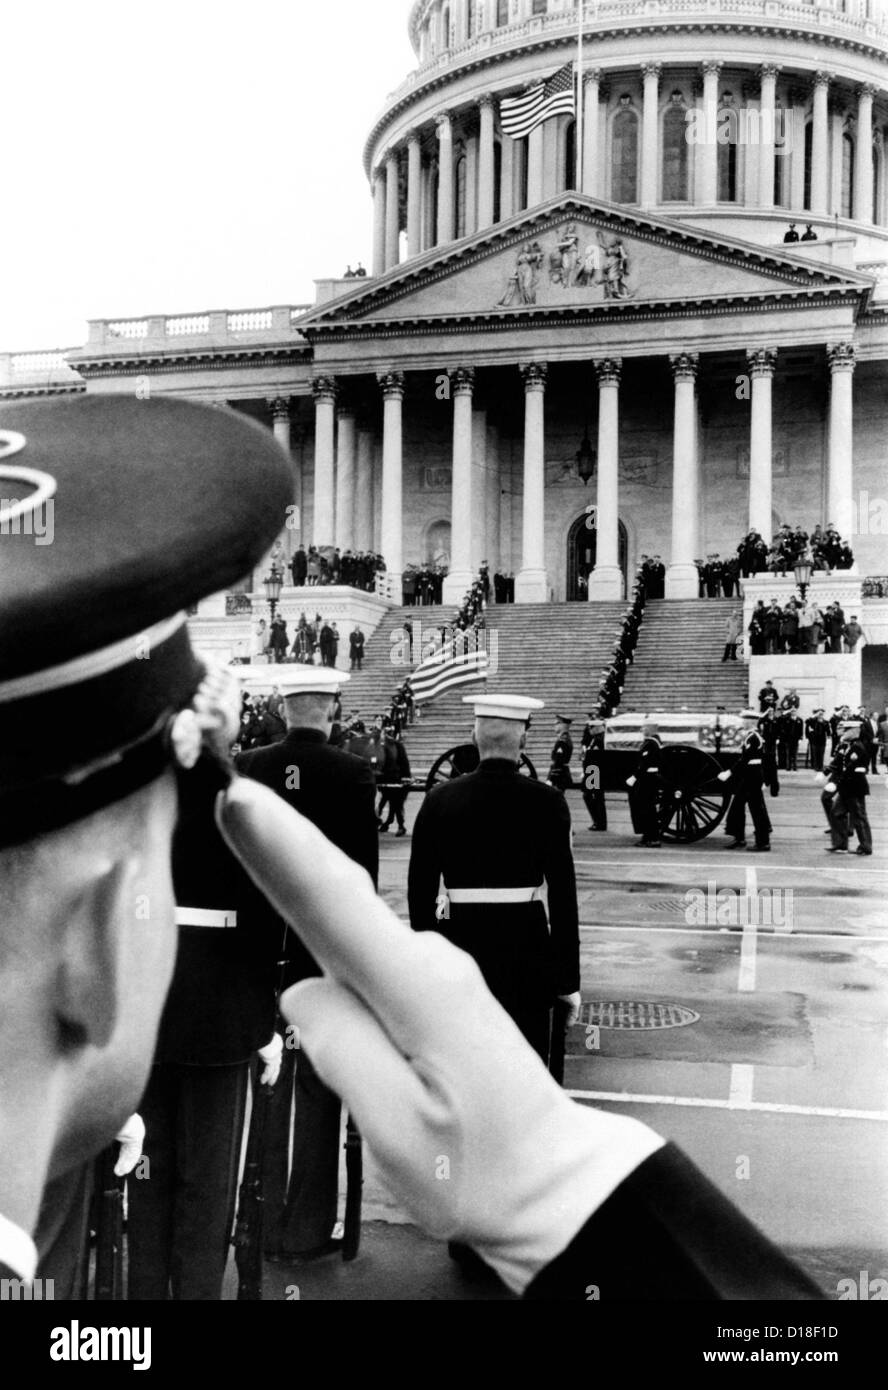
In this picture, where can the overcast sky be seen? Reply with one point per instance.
(181, 155)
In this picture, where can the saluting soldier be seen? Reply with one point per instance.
(848, 787)
(593, 793)
(645, 787)
(495, 838)
(747, 778)
(336, 791)
(560, 775)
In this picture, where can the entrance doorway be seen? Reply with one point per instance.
(581, 550)
(437, 544)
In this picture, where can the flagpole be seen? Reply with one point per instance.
(579, 118)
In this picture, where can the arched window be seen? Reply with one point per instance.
(675, 152)
(624, 155)
(809, 154)
(847, 206)
(569, 166)
(727, 155)
(502, 13)
(497, 181)
(781, 174)
(462, 168)
(540, 7)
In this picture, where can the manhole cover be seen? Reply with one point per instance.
(630, 1014)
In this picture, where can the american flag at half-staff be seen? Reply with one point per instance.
(520, 115)
(445, 669)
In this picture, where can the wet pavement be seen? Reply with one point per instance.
(738, 1004)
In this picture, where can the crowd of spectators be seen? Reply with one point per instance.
(719, 578)
(652, 575)
(824, 547)
(802, 627)
(314, 643)
(325, 565)
(610, 685)
(422, 585)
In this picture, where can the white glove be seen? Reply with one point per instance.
(271, 1055)
(630, 781)
(131, 1140)
(467, 1126)
(724, 776)
(830, 788)
(819, 779)
(574, 1000)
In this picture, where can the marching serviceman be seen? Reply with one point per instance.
(560, 775)
(496, 838)
(220, 1012)
(645, 786)
(849, 787)
(747, 778)
(96, 657)
(336, 790)
(593, 792)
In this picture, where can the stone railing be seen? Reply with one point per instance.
(51, 367)
(824, 16)
(213, 328)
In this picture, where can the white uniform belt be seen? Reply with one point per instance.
(205, 917)
(652, 769)
(499, 897)
(754, 762)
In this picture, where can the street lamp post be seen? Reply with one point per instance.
(803, 568)
(273, 583)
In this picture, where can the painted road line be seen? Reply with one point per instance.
(824, 1112)
(704, 865)
(742, 1078)
(623, 928)
(746, 980)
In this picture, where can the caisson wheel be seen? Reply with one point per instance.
(693, 800)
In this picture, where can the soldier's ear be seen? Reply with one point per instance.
(91, 925)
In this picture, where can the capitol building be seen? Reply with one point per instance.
(591, 342)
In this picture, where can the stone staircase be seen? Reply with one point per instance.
(678, 659)
(551, 651)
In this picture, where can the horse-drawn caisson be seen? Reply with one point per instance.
(696, 748)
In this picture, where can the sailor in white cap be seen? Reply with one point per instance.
(495, 838)
(337, 792)
(747, 781)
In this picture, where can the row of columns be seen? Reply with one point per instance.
(386, 178)
(344, 452)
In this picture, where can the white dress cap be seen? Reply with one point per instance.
(519, 707)
(291, 679)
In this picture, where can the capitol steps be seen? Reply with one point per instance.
(552, 651)
(678, 660)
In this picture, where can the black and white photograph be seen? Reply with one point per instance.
(444, 670)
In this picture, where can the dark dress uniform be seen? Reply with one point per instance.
(644, 796)
(495, 830)
(219, 1011)
(849, 804)
(790, 736)
(559, 767)
(748, 780)
(593, 795)
(336, 791)
(816, 731)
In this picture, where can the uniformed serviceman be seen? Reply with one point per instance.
(645, 788)
(560, 775)
(816, 730)
(97, 676)
(593, 792)
(336, 790)
(849, 787)
(495, 838)
(747, 779)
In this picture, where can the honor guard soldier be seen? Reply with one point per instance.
(645, 787)
(593, 793)
(560, 775)
(495, 838)
(336, 791)
(98, 684)
(747, 779)
(816, 731)
(848, 788)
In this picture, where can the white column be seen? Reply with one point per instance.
(446, 221)
(836, 146)
(840, 458)
(324, 389)
(391, 538)
(681, 576)
(591, 180)
(709, 158)
(485, 163)
(379, 221)
(606, 580)
(479, 488)
(492, 509)
(650, 170)
(535, 171)
(392, 211)
(863, 157)
(460, 575)
(364, 489)
(797, 155)
(507, 178)
(761, 365)
(767, 102)
(820, 146)
(414, 195)
(532, 581)
(345, 478)
(471, 224)
(281, 427)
